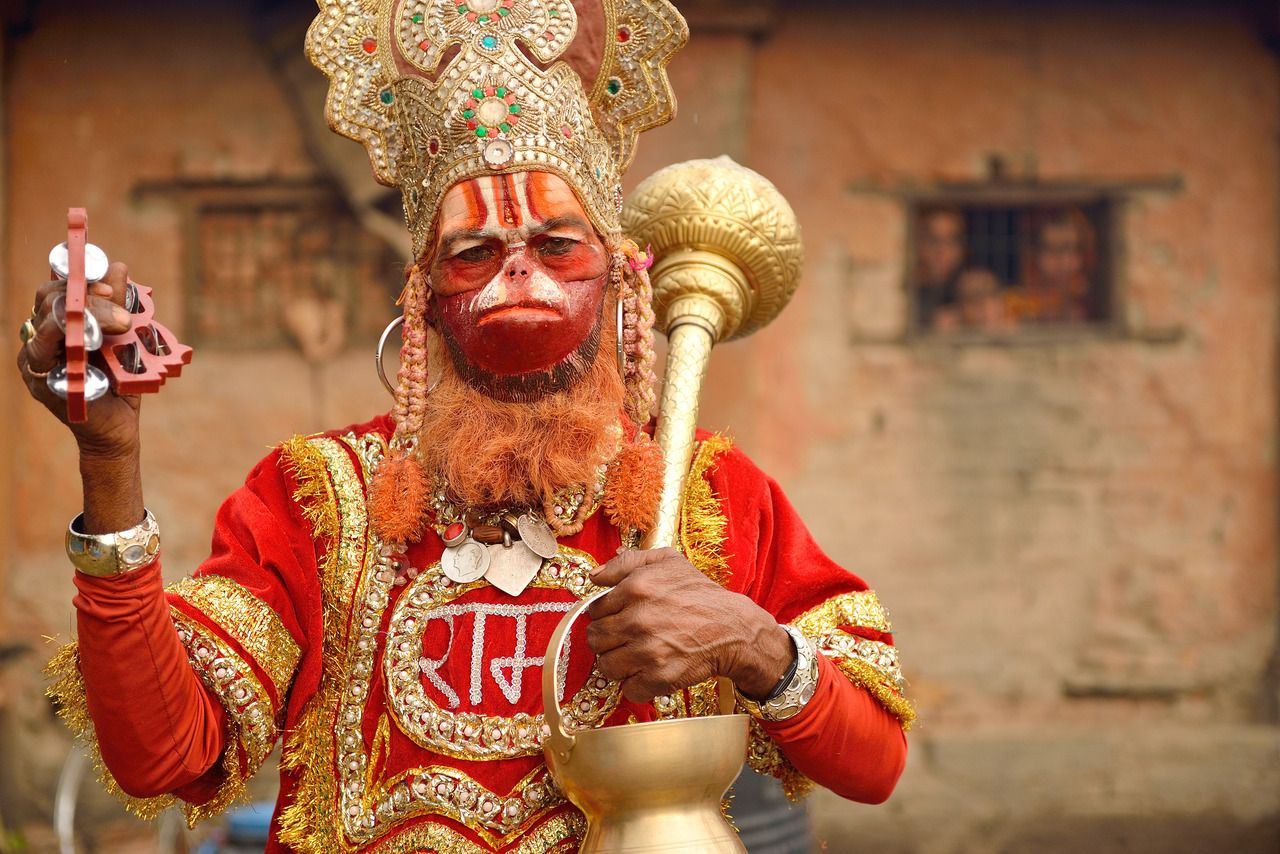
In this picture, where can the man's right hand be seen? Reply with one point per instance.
(108, 439)
(112, 427)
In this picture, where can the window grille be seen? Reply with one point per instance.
(993, 266)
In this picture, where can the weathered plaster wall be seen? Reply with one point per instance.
(1076, 538)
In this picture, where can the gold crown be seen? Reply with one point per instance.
(440, 91)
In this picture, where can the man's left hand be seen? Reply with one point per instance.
(665, 626)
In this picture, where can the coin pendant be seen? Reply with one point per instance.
(465, 563)
(536, 534)
(511, 569)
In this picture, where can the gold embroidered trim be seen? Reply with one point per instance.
(441, 790)
(882, 656)
(873, 665)
(250, 718)
(560, 834)
(703, 526)
(233, 682)
(333, 500)
(861, 608)
(251, 622)
(867, 676)
(67, 690)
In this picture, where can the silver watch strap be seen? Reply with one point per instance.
(798, 692)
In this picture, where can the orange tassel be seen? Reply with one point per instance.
(398, 498)
(634, 485)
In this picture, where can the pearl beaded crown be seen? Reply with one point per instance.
(441, 91)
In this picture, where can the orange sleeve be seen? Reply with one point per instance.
(158, 728)
(844, 740)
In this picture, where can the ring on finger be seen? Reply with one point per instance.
(27, 331)
(35, 375)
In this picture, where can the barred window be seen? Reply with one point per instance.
(998, 267)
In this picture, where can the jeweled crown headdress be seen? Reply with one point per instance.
(440, 91)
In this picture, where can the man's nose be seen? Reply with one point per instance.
(518, 267)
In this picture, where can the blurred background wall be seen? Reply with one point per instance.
(1073, 524)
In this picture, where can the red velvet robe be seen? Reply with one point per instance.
(411, 714)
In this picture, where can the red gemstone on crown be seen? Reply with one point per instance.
(370, 45)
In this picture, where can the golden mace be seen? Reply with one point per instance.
(728, 255)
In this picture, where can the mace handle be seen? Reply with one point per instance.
(688, 356)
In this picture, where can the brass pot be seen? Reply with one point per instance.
(647, 787)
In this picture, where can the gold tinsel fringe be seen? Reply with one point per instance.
(703, 527)
(764, 757)
(313, 494)
(308, 822)
(795, 785)
(863, 674)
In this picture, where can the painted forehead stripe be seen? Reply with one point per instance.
(504, 201)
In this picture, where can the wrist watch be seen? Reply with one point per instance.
(795, 692)
(105, 555)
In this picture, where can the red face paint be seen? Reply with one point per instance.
(519, 273)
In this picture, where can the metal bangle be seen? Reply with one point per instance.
(106, 555)
(799, 689)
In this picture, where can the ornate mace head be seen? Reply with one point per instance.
(441, 91)
(727, 245)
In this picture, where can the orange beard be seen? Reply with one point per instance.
(498, 454)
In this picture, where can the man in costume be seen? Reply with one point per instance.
(377, 595)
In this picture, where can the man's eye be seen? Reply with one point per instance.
(476, 253)
(557, 245)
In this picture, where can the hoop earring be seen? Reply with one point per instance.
(382, 346)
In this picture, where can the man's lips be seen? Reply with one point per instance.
(521, 312)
